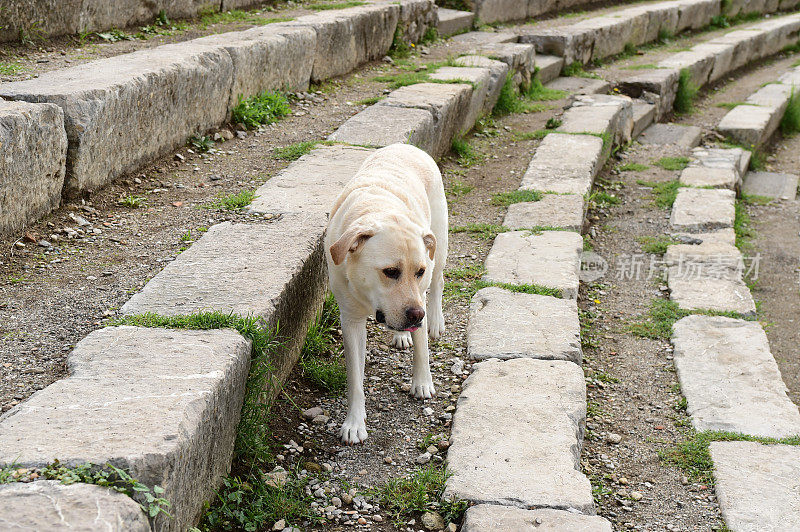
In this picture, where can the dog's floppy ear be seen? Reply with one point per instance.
(349, 242)
(430, 243)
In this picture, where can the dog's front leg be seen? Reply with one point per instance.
(354, 428)
(421, 380)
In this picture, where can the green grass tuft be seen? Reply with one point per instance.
(632, 167)
(324, 6)
(8, 68)
(467, 154)
(686, 94)
(790, 123)
(233, 202)
(482, 230)
(516, 196)
(730, 105)
(645, 66)
(294, 151)
(538, 92)
(370, 101)
(673, 163)
(320, 358)
(656, 245)
(575, 69)
(264, 108)
(742, 226)
(133, 202)
(458, 188)
(665, 192)
(209, 16)
(663, 314)
(531, 135)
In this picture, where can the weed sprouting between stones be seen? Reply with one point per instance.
(370, 101)
(730, 105)
(790, 123)
(672, 163)
(531, 135)
(538, 92)
(298, 149)
(663, 314)
(516, 196)
(742, 226)
(201, 144)
(467, 154)
(233, 202)
(324, 6)
(132, 202)
(264, 108)
(632, 167)
(665, 192)
(512, 101)
(656, 245)
(575, 69)
(686, 93)
(600, 199)
(458, 189)
(320, 357)
(484, 231)
(7, 67)
(211, 15)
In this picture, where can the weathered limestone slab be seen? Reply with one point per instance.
(482, 517)
(520, 447)
(719, 293)
(51, 505)
(520, 58)
(124, 111)
(771, 185)
(750, 124)
(416, 16)
(481, 80)
(675, 134)
(698, 176)
(573, 43)
(163, 404)
(488, 11)
(708, 258)
(699, 209)
(452, 21)
(729, 378)
(551, 259)
(381, 125)
(735, 158)
(644, 114)
(347, 38)
(272, 57)
(658, 86)
(564, 211)
(580, 85)
(447, 102)
(720, 236)
(497, 75)
(544, 327)
(32, 166)
(758, 486)
(601, 115)
(548, 67)
(474, 38)
(550, 171)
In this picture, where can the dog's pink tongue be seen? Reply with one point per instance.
(411, 329)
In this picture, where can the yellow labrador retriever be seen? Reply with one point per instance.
(387, 244)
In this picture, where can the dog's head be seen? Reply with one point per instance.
(388, 265)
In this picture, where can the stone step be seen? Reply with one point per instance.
(729, 378)
(754, 123)
(544, 327)
(580, 85)
(51, 505)
(644, 114)
(497, 71)
(452, 21)
(548, 67)
(771, 185)
(520, 447)
(675, 134)
(521, 58)
(477, 38)
(483, 85)
(600, 114)
(699, 210)
(758, 486)
(711, 60)
(550, 171)
(382, 125)
(606, 35)
(562, 211)
(550, 259)
(720, 236)
(144, 400)
(482, 517)
(33, 164)
(716, 167)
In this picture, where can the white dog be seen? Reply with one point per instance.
(387, 244)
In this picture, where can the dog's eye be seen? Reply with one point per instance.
(420, 272)
(392, 273)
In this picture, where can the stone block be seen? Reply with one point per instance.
(484, 517)
(699, 209)
(674, 134)
(644, 114)
(771, 185)
(481, 81)
(550, 171)
(520, 58)
(729, 378)
(694, 14)
(544, 327)
(715, 259)
(416, 16)
(717, 293)
(573, 43)
(271, 57)
(772, 95)
(32, 166)
(452, 21)
(497, 76)
(661, 82)
(610, 116)
(477, 38)
(51, 505)
(381, 125)
(550, 259)
(720, 236)
(751, 125)
(447, 102)
(733, 158)
(347, 38)
(564, 211)
(162, 404)
(757, 485)
(580, 85)
(124, 111)
(698, 176)
(699, 61)
(489, 11)
(548, 67)
(520, 447)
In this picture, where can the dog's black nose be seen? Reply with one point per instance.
(415, 314)
(380, 317)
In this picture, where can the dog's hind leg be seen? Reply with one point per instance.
(354, 428)
(421, 380)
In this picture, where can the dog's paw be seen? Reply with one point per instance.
(401, 340)
(422, 389)
(435, 325)
(353, 431)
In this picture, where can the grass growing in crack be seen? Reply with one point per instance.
(531, 135)
(672, 163)
(537, 92)
(632, 167)
(458, 189)
(233, 202)
(686, 94)
(553, 123)
(516, 196)
(320, 358)
(209, 16)
(742, 226)
(370, 101)
(665, 192)
(663, 314)
(601, 199)
(406, 498)
(133, 202)
(298, 149)
(645, 66)
(201, 144)
(511, 101)
(324, 6)
(693, 456)
(464, 282)
(656, 245)
(730, 105)
(481, 230)
(263, 108)
(467, 154)
(575, 69)
(790, 123)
